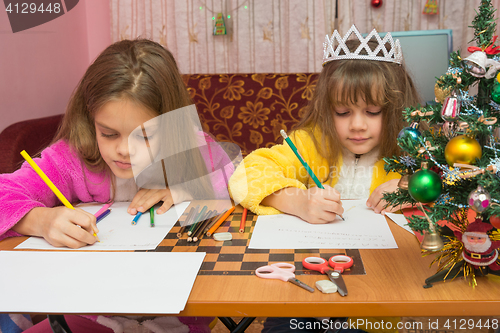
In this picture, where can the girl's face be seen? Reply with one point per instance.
(358, 126)
(114, 123)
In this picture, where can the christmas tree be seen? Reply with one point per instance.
(450, 161)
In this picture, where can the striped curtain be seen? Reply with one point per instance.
(273, 36)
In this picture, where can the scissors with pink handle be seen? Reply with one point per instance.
(338, 263)
(281, 271)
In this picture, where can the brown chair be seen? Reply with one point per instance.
(32, 135)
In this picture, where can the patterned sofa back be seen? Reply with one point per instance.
(247, 109)
(250, 109)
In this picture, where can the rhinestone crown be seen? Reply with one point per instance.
(380, 53)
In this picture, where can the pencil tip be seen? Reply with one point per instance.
(283, 134)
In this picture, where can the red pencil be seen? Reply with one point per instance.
(243, 220)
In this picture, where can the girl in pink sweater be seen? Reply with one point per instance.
(112, 136)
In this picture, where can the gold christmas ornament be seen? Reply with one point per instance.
(403, 182)
(441, 93)
(431, 241)
(462, 149)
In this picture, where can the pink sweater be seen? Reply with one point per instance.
(24, 190)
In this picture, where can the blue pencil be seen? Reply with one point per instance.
(136, 218)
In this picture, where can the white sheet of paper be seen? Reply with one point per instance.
(362, 229)
(400, 220)
(116, 231)
(97, 282)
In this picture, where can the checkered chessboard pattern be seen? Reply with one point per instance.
(235, 258)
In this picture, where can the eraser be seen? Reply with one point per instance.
(326, 286)
(223, 236)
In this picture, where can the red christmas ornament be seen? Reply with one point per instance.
(495, 221)
(376, 3)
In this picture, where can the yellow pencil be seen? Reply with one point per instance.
(49, 182)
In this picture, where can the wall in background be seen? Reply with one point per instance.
(40, 67)
(263, 36)
(284, 36)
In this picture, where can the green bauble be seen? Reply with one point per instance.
(495, 92)
(424, 186)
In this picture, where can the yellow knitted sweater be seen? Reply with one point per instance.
(268, 170)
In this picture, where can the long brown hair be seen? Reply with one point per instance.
(140, 70)
(146, 73)
(342, 82)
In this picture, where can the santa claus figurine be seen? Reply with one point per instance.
(479, 249)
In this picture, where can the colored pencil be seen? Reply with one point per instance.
(212, 222)
(201, 220)
(152, 216)
(243, 220)
(199, 231)
(303, 162)
(220, 221)
(197, 219)
(193, 211)
(102, 215)
(104, 208)
(136, 218)
(205, 227)
(49, 183)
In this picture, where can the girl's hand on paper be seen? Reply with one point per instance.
(376, 202)
(60, 226)
(147, 198)
(314, 205)
(319, 206)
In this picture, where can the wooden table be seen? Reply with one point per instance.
(392, 286)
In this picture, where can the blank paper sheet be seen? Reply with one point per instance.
(97, 282)
(116, 232)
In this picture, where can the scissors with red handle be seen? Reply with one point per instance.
(338, 263)
(281, 271)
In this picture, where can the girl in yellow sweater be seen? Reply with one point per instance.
(350, 124)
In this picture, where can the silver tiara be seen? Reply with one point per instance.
(330, 53)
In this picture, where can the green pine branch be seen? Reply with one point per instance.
(484, 24)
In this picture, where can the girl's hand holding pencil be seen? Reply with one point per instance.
(319, 206)
(60, 226)
(314, 205)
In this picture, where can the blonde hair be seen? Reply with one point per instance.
(343, 82)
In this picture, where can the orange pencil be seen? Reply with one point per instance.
(243, 220)
(220, 221)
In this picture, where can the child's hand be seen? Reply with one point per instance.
(60, 226)
(319, 206)
(314, 205)
(147, 198)
(376, 202)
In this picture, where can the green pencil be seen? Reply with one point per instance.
(152, 216)
(197, 220)
(302, 161)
